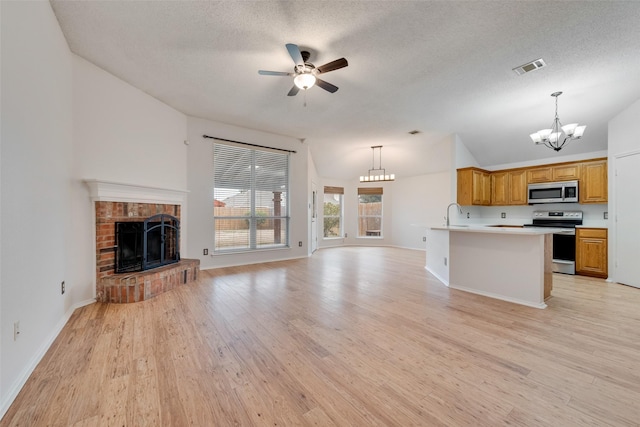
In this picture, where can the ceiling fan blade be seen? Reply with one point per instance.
(326, 85)
(294, 91)
(294, 51)
(274, 73)
(333, 65)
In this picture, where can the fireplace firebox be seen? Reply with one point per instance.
(143, 245)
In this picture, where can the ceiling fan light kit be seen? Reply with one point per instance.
(304, 80)
(377, 174)
(553, 137)
(305, 74)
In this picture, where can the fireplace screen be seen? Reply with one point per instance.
(142, 245)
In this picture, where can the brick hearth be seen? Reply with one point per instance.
(143, 285)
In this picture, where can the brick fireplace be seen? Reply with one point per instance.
(117, 203)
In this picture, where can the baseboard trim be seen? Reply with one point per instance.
(540, 305)
(35, 360)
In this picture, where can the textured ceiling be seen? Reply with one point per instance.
(438, 67)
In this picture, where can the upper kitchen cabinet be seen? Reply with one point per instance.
(474, 187)
(509, 187)
(568, 172)
(541, 174)
(593, 182)
(551, 173)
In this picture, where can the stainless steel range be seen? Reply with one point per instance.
(564, 241)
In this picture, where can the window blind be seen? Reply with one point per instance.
(333, 190)
(370, 190)
(251, 193)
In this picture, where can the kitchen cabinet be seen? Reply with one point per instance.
(568, 172)
(542, 174)
(509, 188)
(593, 182)
(551, 173)
(591, 252)
(518, 190)
(474, 187)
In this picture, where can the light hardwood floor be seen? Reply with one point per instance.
(350, 336)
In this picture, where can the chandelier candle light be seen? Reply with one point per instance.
(553, 138)
(377, 174)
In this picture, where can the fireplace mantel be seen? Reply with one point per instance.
(108, 191)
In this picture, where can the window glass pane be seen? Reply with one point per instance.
(250, 193)
(332, 210)
(271, 232)
(232, 234)
(370, 215)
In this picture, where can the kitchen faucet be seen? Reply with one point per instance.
(451, 204)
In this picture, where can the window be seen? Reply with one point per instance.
(250, 198)
(332, 208)
(370, 212)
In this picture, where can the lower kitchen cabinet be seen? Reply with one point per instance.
(591, 252)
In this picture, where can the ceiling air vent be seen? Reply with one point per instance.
(530, 66)
(414, 132)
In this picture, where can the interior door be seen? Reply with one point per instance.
(627, 205)
(314, 217)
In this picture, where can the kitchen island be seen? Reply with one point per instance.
(508, 263)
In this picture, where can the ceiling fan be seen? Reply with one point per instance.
(305, 73)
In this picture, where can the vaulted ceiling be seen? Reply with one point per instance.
(440, 67)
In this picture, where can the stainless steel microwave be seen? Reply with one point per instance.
(553, 192)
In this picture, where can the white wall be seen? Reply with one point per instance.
(36, 170)
(122, 134)
(419, 202)
(200, 198)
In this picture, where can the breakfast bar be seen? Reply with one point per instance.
(508, 263)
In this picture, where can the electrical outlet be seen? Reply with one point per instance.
(205, 252)
(468, 215)
(300, 244)
(345, 235)
(424, 239)
(62, 287)
(503, 215)
(606, 215)
(16, 330)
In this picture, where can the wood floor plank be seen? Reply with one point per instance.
(350, 336)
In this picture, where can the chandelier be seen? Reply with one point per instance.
(556, 137)
(379, 173)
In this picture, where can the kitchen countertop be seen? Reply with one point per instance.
(605, 226)
(530, 231)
